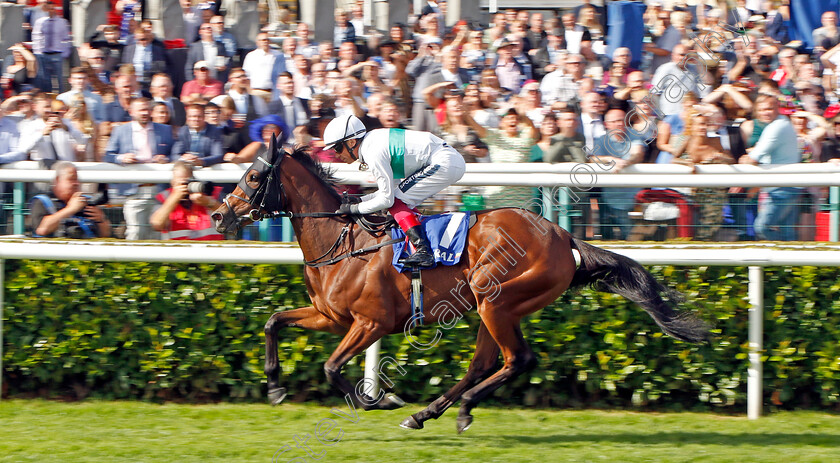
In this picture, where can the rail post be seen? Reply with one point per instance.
(756, 333)
(371, 365)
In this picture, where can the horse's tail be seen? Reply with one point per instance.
(613, 273)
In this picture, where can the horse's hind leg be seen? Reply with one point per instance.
(519, 358)
(483, 363)
(305, 317)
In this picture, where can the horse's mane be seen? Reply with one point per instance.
(323, 174)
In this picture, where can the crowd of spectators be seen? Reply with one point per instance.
(543, 86)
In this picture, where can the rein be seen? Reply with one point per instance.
(362, 221)
(376, 229)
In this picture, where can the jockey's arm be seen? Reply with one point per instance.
(379, 163)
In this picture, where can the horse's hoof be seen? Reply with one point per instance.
(411, 423)
(275, 396)
(463, 423)
(391, 402)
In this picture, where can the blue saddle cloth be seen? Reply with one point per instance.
(447, 235)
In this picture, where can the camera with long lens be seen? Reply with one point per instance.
(77, 227)
(197, 186)
(97, 199)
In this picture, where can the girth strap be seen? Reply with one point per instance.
(416, 296)
(315, 264)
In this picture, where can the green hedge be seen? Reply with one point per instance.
(195, 332)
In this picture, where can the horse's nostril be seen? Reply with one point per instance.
(217, 216)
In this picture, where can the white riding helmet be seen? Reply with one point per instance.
(342, 129)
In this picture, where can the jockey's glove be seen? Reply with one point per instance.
(346, 209)
(351, 199)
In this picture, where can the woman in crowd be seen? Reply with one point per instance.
(615, 80)
(491, 90)
(371, 82)
(80, 119)
(474, 54)
(589, 21)
(392, 62)
(511, 142)
(261, 131)
(21, 71)
(697, 148)
(459, 131)
(670, 129)
(548, 129)
(478, 108)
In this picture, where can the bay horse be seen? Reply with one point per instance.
(359, 294)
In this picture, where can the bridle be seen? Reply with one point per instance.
(263, 192)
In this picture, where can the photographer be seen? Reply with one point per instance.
(185, 210)
(67, 213)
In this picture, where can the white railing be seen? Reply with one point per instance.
(574, 177)
(754, 256)
(526, 174)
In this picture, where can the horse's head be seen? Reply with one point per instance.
(258, 193)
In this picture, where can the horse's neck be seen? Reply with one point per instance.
(316, 235)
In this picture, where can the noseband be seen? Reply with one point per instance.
(261, 192)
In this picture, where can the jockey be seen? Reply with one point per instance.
(422, 162)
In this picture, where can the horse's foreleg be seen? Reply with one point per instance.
(358, 338)
(483, 363)
(305, 317)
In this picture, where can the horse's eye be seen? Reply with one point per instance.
(253, 177)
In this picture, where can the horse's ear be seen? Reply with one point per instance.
(272, 149)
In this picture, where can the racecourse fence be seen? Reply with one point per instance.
(756, 257)
(567, 194)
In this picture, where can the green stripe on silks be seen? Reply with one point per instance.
(396, 148)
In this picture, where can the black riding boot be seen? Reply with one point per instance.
(423, 256)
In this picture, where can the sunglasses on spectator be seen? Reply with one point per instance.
(201, 69)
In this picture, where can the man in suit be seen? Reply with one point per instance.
(592, 126)
(161, 90)
(223, 36)
(209, 50)
(448, 72)
(198, 142)
(51, 44)
(293, 110)
(148, 57)
(116, 111)
(252, 106)
(107, 41)
(140, 141)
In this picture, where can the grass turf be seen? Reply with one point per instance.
(93, 432)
